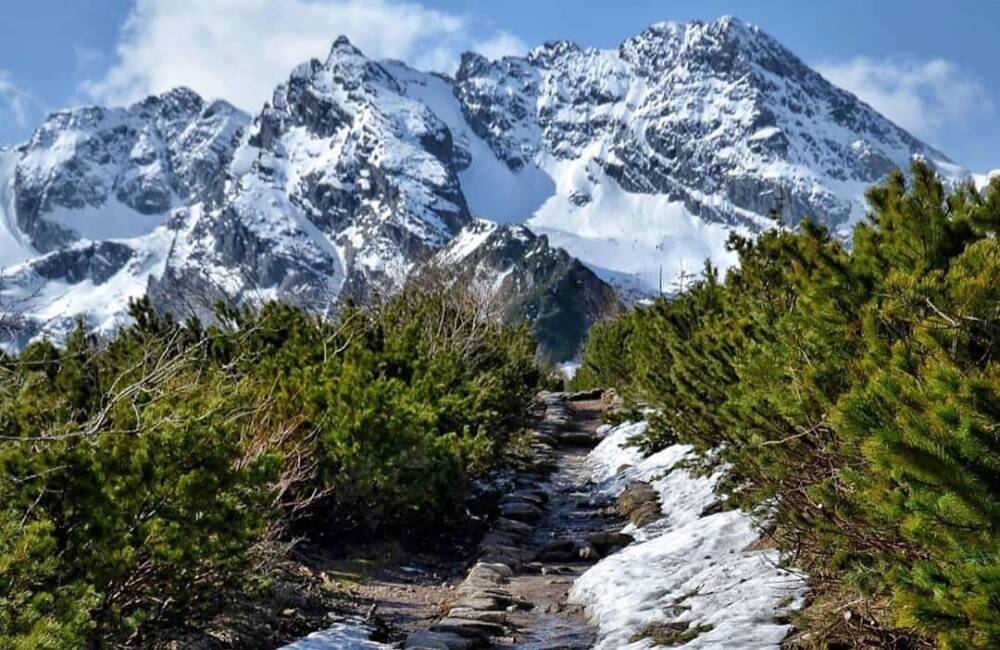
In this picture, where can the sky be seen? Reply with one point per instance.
(928, 65)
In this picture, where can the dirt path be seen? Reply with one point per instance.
(568, 520)
(567, 523)
(546, 532)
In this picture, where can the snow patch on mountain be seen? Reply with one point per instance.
(645, 237)
(491, 188)
(13, 247)
(113, 220)
(468, 241)
(89, 280)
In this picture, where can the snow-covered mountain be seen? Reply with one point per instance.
(636, 160)
(89, 203)
(655, 149)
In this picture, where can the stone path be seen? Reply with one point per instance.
(546, 533)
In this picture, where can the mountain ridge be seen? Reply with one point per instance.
(637, 160)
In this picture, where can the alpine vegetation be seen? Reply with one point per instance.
(851, 395)
(146, 478)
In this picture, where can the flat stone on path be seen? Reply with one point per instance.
(521, 510)
(468, 628)
(440, 641)
(490, 616)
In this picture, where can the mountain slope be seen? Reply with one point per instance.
(637, 160)
(341, 184)
(657, 147)
(532, 282)
(86, 204)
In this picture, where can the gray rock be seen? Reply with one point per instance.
(490, 616)
(520, 510)
(480, 603)
(468, 628)
(520, 554)
(640, 503)
(499, 569)
(494, 558)
(440, 641)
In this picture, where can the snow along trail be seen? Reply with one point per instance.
(342, 636)
(687, 568)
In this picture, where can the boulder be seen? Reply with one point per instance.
(487, 574)
(640, 503)
(607, 542)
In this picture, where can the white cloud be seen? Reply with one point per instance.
(500, 45)
(927, 98)
(16, 104)
(240, 49)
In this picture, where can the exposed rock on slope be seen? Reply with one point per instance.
(559, 296)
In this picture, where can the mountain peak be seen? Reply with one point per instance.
(721, 42)
(342, 45)
(471, 64)
(179, 95)
(551, 50)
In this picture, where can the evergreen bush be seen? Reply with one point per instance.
(852, 394)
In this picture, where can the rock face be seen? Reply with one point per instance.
(635, 161)
(532, 281)
(96, 173)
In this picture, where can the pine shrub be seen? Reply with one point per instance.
(139, 474)
(852, 394)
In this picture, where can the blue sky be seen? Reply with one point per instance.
(931, 66)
